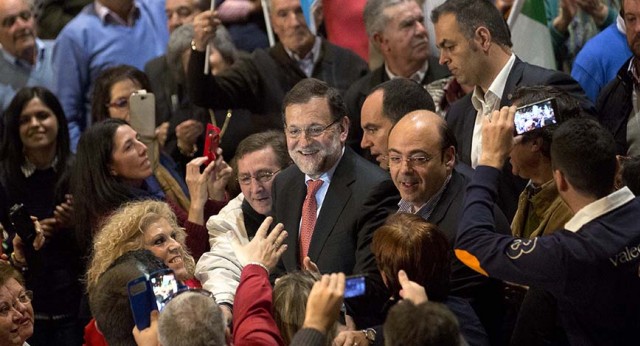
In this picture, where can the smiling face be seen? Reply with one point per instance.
(129, 161)
(38, 127)
(161, 239)
(253, 164)
(376, 128)
(289, 24)
(17, 325)
(315, 155)
(461, 54)
(418, 135)
(17, 29)
(404, 40)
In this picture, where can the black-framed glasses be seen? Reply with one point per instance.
(119, 103)
(311, 131)
(24, 298)
(8, 22)
(414, 160)
(262, 177)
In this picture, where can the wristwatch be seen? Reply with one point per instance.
(370, 335)
(193, 46)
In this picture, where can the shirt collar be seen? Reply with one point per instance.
(426, 209)
(108, 16)
(496, 88)
(314, 53)
(599, 208)
(326, 176)
(40, 48)
(28, 168)
(417, 76)
(631, 70)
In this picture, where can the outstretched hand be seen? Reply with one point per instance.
(149, 335)
(324, 302)
(264, 249)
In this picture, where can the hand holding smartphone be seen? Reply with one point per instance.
(151, 293)
(211, 142)
(22, 224)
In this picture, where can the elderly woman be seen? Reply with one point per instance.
(34, 169)
(149, 225)
(112, 168)
(186, 125)
(16, 312)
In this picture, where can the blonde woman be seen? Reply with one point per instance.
(150, 225)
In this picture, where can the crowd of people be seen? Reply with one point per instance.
(391, 198)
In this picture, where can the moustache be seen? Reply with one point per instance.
(22, 34)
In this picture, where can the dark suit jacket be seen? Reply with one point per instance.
(360, 197)
(461, 119)
(163, 85)
(260, 82)
(358, 92)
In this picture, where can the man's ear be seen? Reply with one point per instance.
(561, 181)
(483, 38)
(536, 144)
(449, 157)
(379, 42)
(344, 128)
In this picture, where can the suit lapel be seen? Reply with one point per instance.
(334, 203)
(448, 196)
(514, 79)
(294, 191)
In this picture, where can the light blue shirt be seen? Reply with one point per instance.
(16, 73)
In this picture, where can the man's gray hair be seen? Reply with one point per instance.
(374, 19)
(191, 318)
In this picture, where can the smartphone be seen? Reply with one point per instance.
(211, 142)
(142, 118)
(22, 224)
(141, 301)
(535, 115)
(164, 284)
(355, 286)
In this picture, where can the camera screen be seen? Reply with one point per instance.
(354, 287)
(163, 285)
(534, 116)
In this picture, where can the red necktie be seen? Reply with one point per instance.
(309, 209)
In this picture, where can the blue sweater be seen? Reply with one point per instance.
(87, 45)
(594, 272)
(599, 60)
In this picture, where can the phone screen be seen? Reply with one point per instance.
(535, 116)
(355, 286)
(163, 284)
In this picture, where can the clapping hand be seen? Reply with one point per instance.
(263, 249)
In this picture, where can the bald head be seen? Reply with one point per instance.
(421, 156)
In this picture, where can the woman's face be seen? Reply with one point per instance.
(160, 238)
(38, 126)
(129, 160)
(16, 318)
(119, 98)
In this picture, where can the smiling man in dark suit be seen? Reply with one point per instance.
(333, 225)
(475, 44)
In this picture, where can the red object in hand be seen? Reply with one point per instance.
(211, 142)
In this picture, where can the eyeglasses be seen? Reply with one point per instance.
(119, 103)
(9, 21)
(311, 131)
(416, 160)
(262, 177)
(24, 298)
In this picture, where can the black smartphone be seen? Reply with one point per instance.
(355, 286)
(164, 284)
(141, 301)
(22, 224)
(535, 115)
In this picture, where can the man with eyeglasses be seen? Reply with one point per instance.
(16, 312)
(25, 60)
(422, 156)
(332, 200)
(259, 158)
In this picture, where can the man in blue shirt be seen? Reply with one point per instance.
(590, 266)
(24, 59)
(104, 34)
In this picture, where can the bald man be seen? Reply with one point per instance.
(422, 156)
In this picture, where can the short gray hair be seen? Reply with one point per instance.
(374, 19)
(194, 317)
(180, 41)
